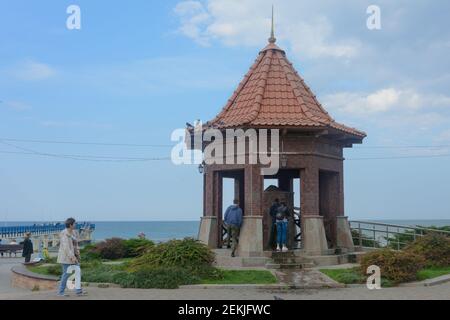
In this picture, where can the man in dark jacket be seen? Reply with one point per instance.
(233, 221)
(27, 248)
(273, 226)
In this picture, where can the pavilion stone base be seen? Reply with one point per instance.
(208, 231)
(251, 237)
(313, 235)
(344, 234)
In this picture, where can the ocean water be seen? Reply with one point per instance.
(154, 230)
(163, 231)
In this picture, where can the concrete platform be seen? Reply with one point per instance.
(224, 259)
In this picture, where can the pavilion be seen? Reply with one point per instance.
(273, 95)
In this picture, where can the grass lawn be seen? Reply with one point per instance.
(105, 273)
(430, 273)
(46, 270)
(346, 276)
(244, 277)
(352, 276)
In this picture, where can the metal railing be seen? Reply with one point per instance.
(298, 226)
(36, 230)
(379, 235)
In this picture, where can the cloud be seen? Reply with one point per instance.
(193, 16)
(383, 101)
(33, 71)
(75, 124)
(16, 105)
(159, 75)
(247, 23)
(443, 137)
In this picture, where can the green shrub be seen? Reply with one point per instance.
(116, 248)
(434, 248)
(111, 249)
(158, 278)
(99, 273)
(409, 236)
(189, 254)
(137, 247)
(50, 260)
(396, 266)
(88, 253)
(55, 270)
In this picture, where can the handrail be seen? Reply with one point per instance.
(399, 226)
(17, 231)
(367, 232)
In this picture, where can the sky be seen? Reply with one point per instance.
(138, 70)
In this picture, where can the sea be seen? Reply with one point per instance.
(161, 231)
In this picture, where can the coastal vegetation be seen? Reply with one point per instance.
(425, 258)
(434, 248)
(396, 266)
(409, 236)
(139, 263)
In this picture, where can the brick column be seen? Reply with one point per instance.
(344, 237)
(208, 231)
(253, 190)
(208, 194)
(251, 239)
(309, 181)
(314, 240)
(341, 211)
(217, 195)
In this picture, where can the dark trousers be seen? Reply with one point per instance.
(233, 237)
(273, 236)
(27, 258)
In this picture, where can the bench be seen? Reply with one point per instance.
(10, 248)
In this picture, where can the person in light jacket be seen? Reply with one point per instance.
(69, 256)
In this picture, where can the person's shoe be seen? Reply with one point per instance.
(233, 255)
(82, 294)
(228, 247)
(64, 295)
(285, 249)
(278, 248)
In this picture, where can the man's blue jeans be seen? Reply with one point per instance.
(282, 232)
(65, 276)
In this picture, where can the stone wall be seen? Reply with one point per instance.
(25, 279)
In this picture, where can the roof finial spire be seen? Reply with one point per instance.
(272, 38)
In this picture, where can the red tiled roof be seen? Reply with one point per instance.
(272, 94)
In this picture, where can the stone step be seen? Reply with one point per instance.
(289, 265)
(291, 260)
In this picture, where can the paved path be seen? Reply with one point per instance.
(5, 274)
(403, 293)
(305, 279)
(361, 293)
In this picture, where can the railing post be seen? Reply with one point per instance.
(360, 234)
(398, 238)
(387, 235)
(374, 236)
